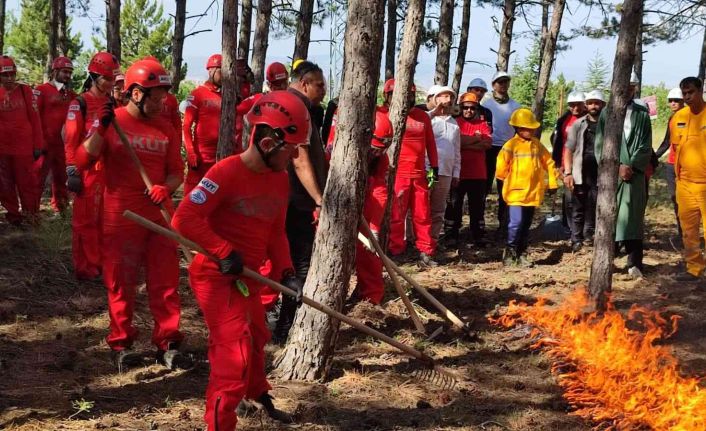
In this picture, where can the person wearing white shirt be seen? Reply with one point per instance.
(502, 107)
(448, 147)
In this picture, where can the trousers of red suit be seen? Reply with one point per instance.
(86, 223)
(193, 176)
(268, 296)
(236, 342)
(411, 194)
(127, 249)
(55, 162)
(368, 268)
(17, 179)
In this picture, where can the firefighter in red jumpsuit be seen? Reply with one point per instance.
(277, 78)
(87, 184)
(250, 189)
(170, 108)
(411, 185)
(201, 124)
(21, 144)
(53, 99)
(368, 265)
(127, 246)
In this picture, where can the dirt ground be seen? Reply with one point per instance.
(55, 371)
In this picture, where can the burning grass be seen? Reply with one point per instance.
(616, 376)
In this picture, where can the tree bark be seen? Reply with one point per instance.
(600, 282)
(62, 41)
(702, 62)
(462, 46)
(443, 45)
(178, 44)
(309, 351)
(53, 36)
(399, 106)
(112, 31)
(547, 64)
(506, 35)
(260, 42)
(303, 36)
(245, 27)
(638, 59)
(391, 39)
(229, 76)
(2, 26)
(545, 26)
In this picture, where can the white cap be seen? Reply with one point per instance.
(576, 96)
(633, 78)
(433, 90)
(182, 106)
(445, 89)
(675, 93)
(499, 75)
(595, 95)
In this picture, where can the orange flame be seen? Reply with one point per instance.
(613, 375)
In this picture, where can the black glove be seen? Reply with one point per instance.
(107, 113)
(295, 284)
(232, 264)
(36, 154)
(73, 179)
(435, 170)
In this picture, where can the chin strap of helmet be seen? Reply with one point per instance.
(141, 103)
(267, 155)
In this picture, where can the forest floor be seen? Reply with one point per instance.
(56, 374)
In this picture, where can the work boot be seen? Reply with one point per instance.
(509, 257)
(636, 273)
(173, 359)
(576, 246)
(278, 415)
(524, 261)
(245, 409)
(426, 261)
(125, 358)
(686, 277)
(286, 318)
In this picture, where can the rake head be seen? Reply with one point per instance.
(437, 376)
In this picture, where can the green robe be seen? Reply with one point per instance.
(635, 151)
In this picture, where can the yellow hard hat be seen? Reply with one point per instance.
(524, 118)
(296, 63)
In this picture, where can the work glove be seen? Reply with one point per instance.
(231, 264)
(73, 179)
(432, 177)
(158, 194)
(105, 117)
(193, 160)
(295, 284)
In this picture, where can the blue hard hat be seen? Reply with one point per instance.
(479, 83)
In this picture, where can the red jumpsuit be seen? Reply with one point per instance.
(53, 105)
(411, 188)
(20, 135)
(234, 208)
(170, 112)
(127, 247)
(88, 205)
(203, 114)
(368, 265)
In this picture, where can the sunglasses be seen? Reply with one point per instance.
(468, 108)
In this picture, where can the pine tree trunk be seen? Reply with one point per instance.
(112, 31)
(545, 27)
(303, 36)
(702, 62)
(229, 76)
(506, 35)
(312, 340)
(546, 66)
(399, 106)
(260, 42)
(62, 41)
(462, 45)
(2, 26)
(178, 44)
(443, 45)
(53, 36)
(245, 27)
(391, 39)
(638, 60)
(604, 249)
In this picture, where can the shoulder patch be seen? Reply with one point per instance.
(198, 197)
(71, 116)
(208, 185)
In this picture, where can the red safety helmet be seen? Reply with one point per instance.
(7, 64)
(214, 61)
(389, 86)
(104, 64)
(382, 135)
(276, 72)
(146, 74)
(62, 63)
(282, 111)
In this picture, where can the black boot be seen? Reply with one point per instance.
(509, 257)
(278, 415)
(285, 321)
(173, 359)
(125, 359)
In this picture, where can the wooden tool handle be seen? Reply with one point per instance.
(147, 224)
